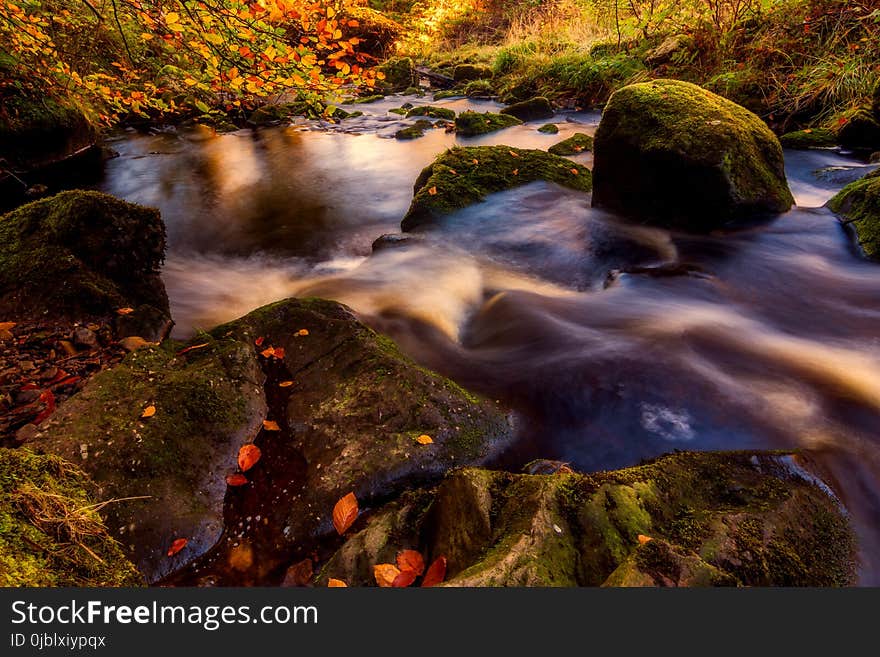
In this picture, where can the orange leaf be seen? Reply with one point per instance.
(516, 172)
(336, 584)
(149, 411)
(235, 480)
(385, 574)
(271, 425)
(433, 191)
(124, 311)
(575, 172)
(411, 560)
(436, 573)
(476, 161)
(248, 456)
(345, 513)
(404, 578)
(193, 348)
(644, 539)
(425, 440)
(7, 326)
(279, 353)
(513, 153)
(268, 353)
(285, 384)
(177, 546)
(302, 333)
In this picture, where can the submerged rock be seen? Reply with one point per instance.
(577, 143)
(51, 531)
(859, 204)
(683, 520)
(674, 154)
(80, 253)
(463, 176)
(533, 109)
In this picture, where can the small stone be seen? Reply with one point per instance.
(85, 337)
(134, 342)
(26, 433)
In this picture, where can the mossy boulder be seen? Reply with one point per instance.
(549, 129)
(673, 154)
(470, 72)
(473, 124)
(861, 130)
(410, 132)
(480, 89)
(400, 73)
(432, 112)
(208, 403)
(51, 531)
(270, 115)
(79, 254)
(463, 176)
(859, 205)
(809, 138)
(686, 519)
(577, 143)
(449, 93)
(534, 109)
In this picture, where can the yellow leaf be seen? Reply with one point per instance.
(190, 82)
(216, 39)
(302, 333)
(172, 17)
(425, 439)
(149, 411)
(270, 425)
(146, 36)
(336, 584)
(385, 574)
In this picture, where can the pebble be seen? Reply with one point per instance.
(85, 337)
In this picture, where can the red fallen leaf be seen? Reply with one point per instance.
(55, 379)
(69, 381)
(411, 560)
(404, 578)
(248, 456)
(49, 399)
(236, 479)
(259, 341)
(193, 348)
(345, 512)
(436, 573)
(279, 353)
(177, 546)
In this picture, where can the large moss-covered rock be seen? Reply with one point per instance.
(400, 73)
(208, 403)
(861, 130)
(473, 124)
(79, 254)
(51, 531)
(533, 109)
(683, 520)
(463, 176)
(859, 204)
(674, 154)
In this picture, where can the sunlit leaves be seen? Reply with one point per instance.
(345, 512)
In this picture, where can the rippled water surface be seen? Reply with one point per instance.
(614, 342)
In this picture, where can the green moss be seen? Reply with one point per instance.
(532, 109)
(399, 73)
(449, 93)
(281, 113)
(81, 252)
(549, 129)
(432, 112)
(472, 124)
(463, 176)
(577, 143)
(809, 138)
(368, 99)
(412, 132)
(51, 533)
(469, 72)
(38, 129)
(859, 204)
(478, 89)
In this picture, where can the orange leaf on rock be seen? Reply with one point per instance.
(433, 191)
(149, 412)
(411, 560)
(345, 512)
(124, 311)
(385, 574)
(248, 456)
(285, 384)
(236, 479)
(271, 425)
(336, 584)
(177, 546)
(425, 439)
(644, 539)
(575, 172)
(436, 573)
(404, 578)
(279, 353)
(513, 153)
(268, 353)
(302, 333)
(259, 341)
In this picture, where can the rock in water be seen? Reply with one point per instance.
(689, 519)
(859, 204)
(81, 254)
(673, 154)
(533, 109)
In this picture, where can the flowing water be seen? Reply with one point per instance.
(613, 342)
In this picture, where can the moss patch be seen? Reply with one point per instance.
(51, 532)
(859, 204)
(549, 129)
(432, 112)
(463, 176)
(809, 138)
(577, 143)
(469, 72)
(472, 124)
(533, 109)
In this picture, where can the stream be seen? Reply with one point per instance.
(612, 342)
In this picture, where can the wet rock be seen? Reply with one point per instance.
(432, 112)
(469, 72)
(393, 241)
(400, 73)
(50, 534)
(270, 115)
(673, 154)
(463, 176)
(663, 53)
(809, 138)
(533, 109)
(135, 342)
(411, 132)
(549, 129)
(208, 404)
(577, 143)
(80, 254)
(859, 205)
(85, 338)
(671, 522)
(861, 130)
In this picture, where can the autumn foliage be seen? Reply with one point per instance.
(154, 57)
